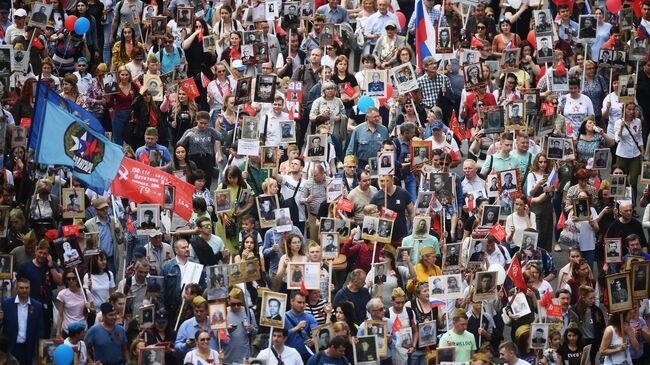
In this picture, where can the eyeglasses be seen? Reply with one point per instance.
(391, 28)
(236, 304)
(207, 226)
(204, 339)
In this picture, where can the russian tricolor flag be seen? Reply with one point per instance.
(553, 178)
(425, 33)
(436, 302)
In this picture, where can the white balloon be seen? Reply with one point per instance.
(501, 273)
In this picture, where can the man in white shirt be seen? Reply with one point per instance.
(278, 352)
(508, 353)
(471, 182)
(270, 123)
(83, 77)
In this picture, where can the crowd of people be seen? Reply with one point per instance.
(365, 191)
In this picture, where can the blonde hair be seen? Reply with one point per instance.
(266, 185)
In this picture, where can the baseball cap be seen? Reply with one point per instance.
(140, 251)
(20, 13)
(161, 316)
(100, 203)
(436, 124)
(155, 233)
(238, 65)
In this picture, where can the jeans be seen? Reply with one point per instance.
(418, 357)
(120, 118)
(589, 256)
(107, 46)
(410, 186)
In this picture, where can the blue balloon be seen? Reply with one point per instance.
(63, 355)
(81, 26)
(365, 102)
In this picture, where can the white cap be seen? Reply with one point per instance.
(237, 64)
(21, 13)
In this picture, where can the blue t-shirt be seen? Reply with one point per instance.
(297, 339)
(107, 346)
(321, 358)
(41, 281)
(165, 156)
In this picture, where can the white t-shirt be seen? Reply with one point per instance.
(287, 190)
(576, 109)
(587, 235)
(102, 285)
(520, 224)
(615, 112)
(289, 356)
(83, 351)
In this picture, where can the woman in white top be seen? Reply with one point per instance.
(101, 281)
(588, 230)
(521, 219)
(202, 354)
(224, 25)
(616, 340)
(629, 137)
(612, 109)
(296, 254)
(538, 281)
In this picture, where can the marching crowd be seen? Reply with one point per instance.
(365, 191)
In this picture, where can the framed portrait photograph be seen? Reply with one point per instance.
(40, 15)
(428, 334)
(291, 15)
(366, 351)
(217, 282)
(288, 131)
(46, 350)
(490, 215)
(626, 18)
(620, 298)
(147, 313)
(510, 59)
(6, 266)
(539, 335)
(243, 94)
(322, 336)
(476, 251)
(372, 167)
(445, 354)
(328, 35)
(369, 227)
(560, 81)
(494, 120)
(252, 37)
(451, 254)
(587, 27)
(386, 164)
(19, 60)
(169, 196)
(297, 272)
(379, 330)
(601, 158)
(645, 172)
(74, 203)
(626, 88)
(250, 128)
(154, 285)
(19, 136)
(148, 218)
(330, 245)
(605, 56)
(543, 22)
(235, 274)
(421, 226)
(317, 147)
(384, 230)
(640, 279)
(343, 228)
(251, 269)
(217, 311)
(495, 68)
(442, 185)
(269, 157)
(420, 153)
(582, 209)
(378, 273)
(334, 189)
(148, 12)
(613, 250)
(376, 83)
(327, 225)
(444, 42)
(473, 74)
(618, 185)
(528, 241)
(158, 25)
(486, 286)
(555, 148)
(222, 201)
(109, 83)
(569, 149)
(639, 48)
(532, 101)
(184, 16)
(273, 309)
(402, 254)
(151, 356)
(266, 204)
(154, 85)
(67, 249)
(545, 48)
(515, 115)
(509, 181)
(469, 56)
(423, 202)
(405, 78)
(265, 88)
(248, 54)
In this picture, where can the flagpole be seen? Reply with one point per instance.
(480, 324)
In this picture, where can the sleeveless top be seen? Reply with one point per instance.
(619, 358)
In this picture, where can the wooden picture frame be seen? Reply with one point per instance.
(640, 279)
(326, 331)
(581, 209)
(613, 250)
(428, 334)
(420, 154)
(378, 329)
(265, 213)
(218, 312)
(619, 289)
(6, 266)
(273, 315)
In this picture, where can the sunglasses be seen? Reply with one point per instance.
(207, 226)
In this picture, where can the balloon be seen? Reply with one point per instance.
(531, 39)
(501, 273)
(401, 19)
(614, 6)
(81, 26)
(63, 355)
(365, 102)
(389, 94)
(69, 22)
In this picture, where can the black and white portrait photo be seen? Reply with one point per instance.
(316, 145)
(74, 203)
(486, 286)
(476, 250)
(640, 279)
(545, 48)
(618, 287)
(605, 56)
(441, 184)
(154, 285)
(158, 25)
(639, 48)
(288, 131)
(494, 120)
(560, 81)
(613, 250)
(243, 95)
(266, 204)
(421, 227)
(327, 225)
(528, 241)
(148, 218)
(265, 88)
(543, 22)
(510, 58)
(6, 266)
(539, 335)
(250, 128)
(384, 230)
(427, 334)
(470, 56)
(508, 181)
(473, 76)
(386, 164)
(379, 330)
(421, 155)
(273, 309)
(515, 115)
(68, 250)
(147, 315)
(110, 83)
(423, 202)
(291, 15)
(555, 148)
(269, 157)
(587, 27)
(322, 336)
(582, 209)
(169, 196)
(490, 215)
(444, 44)
(601, 156)
(369, 227)
(184, 17)
(217, 282)
(148, 12)
(451, 254)
(151, 355)
(376, 83)
(40, 15)
(330, 245)
(366, 350)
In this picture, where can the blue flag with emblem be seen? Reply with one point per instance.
(62, 138)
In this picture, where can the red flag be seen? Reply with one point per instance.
(303, 288)
(547, 299)
(249, 108)
(597, 183)
(129, 224)
(70, 230)
(636, 5)
(455, 127)
(397, 325)
(514, 273)
(189, 86)
(144, 158)
(498, 232)
(436, 224)
(554, 310)
(560, 222)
